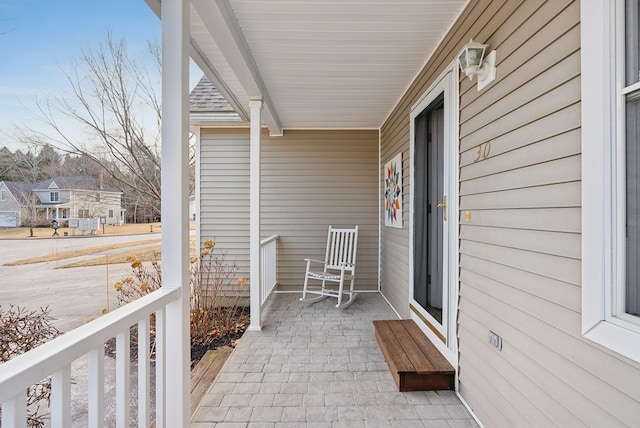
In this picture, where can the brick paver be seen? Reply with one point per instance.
(318, 366)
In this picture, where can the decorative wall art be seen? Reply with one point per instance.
(393, 192)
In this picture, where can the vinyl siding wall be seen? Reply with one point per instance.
(520, 259)
(9, 208)
(310, 179)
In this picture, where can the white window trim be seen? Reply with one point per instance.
(602, 205)
(51, 193)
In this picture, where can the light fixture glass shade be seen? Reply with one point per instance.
(475, 55)
(462, 59)
(470, 57)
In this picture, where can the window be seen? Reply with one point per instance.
(54, 197)
(611, 174)
(97, 197)
(3, 195)
(110, 213)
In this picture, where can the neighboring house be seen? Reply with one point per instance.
(16, 201)
(513, 220)
(79, 197)
(59, 198)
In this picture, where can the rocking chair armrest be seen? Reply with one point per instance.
(314, 261)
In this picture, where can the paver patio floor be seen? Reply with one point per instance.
(318, 366)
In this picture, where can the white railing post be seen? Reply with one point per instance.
(254, 216)
(143, 374)
(161, 403)
(123, 374)
(14, 411)
(95, 387)
(61, 397)
(174, 206)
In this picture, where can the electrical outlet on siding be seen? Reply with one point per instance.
(495, 340)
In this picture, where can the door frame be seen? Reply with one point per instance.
(445, 337)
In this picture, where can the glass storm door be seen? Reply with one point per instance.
(430, 288)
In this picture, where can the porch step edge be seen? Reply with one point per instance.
(205, 372)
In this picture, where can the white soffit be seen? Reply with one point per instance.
(320, 64)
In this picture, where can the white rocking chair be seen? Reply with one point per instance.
(339, 266)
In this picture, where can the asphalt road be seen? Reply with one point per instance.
(72, 294)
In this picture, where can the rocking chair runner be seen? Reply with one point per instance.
(338, 266)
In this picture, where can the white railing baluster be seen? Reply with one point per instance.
(95, 387)
(160, 369)
(123, 374)
(143, 373)
(61, 398)
(14, 411)
(268, 264)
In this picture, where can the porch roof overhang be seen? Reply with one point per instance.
(316, 64)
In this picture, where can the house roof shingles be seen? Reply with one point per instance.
(206, 98)
(20, 190)
(79, 182)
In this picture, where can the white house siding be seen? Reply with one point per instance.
(520, 251)
(9, 208)
(310, 180)
(224, 193)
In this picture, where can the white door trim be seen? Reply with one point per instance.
(447, 83)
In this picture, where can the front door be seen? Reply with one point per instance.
(433, 296)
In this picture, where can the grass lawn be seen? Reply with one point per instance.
(47, 232)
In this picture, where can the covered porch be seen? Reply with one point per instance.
(297, 364)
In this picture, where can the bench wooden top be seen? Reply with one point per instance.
(409, 349)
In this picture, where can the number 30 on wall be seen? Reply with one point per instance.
(484, 150)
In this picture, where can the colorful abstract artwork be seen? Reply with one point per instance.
(393, 192)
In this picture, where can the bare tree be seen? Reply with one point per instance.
(30, 216)
(114, 101)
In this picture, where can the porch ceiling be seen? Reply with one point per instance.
(317, 64)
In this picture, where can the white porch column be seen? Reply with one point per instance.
(175, 207)
(254, 214)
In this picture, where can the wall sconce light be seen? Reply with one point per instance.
(473, 63)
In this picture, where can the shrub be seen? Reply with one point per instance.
(215, 292)
(215, 295)
(20, 331)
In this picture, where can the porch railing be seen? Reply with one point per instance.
(268, 263)
(54, 359)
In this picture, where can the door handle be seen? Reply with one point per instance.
(443, 204)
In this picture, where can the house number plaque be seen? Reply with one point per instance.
(484, 150)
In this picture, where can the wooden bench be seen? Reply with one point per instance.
(415, 364)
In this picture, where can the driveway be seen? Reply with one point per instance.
(72, 294)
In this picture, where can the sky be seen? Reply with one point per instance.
(41, 39)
